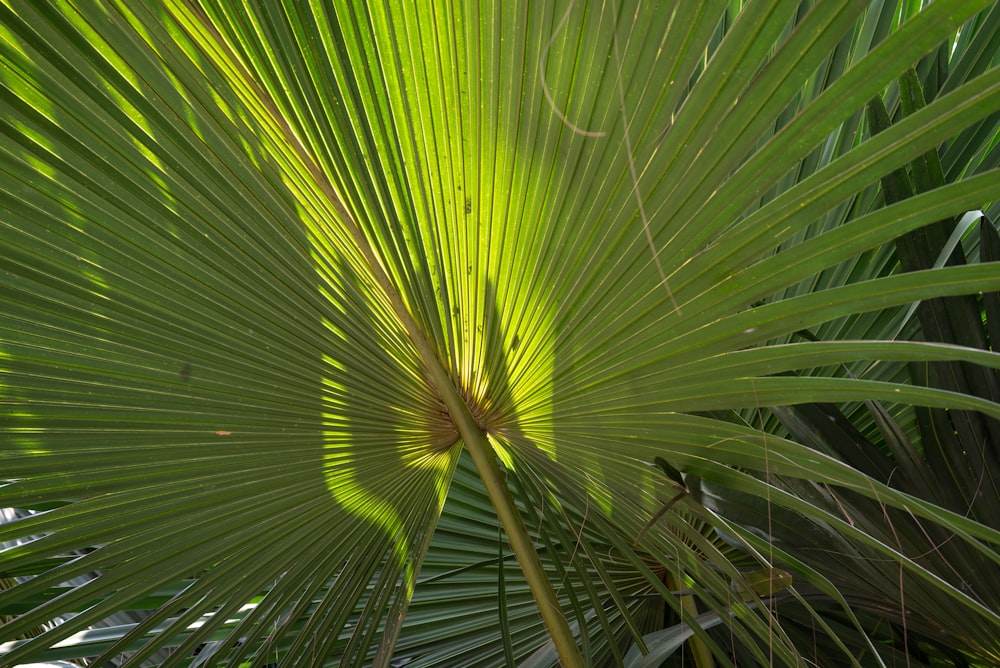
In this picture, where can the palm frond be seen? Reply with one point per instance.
(268, 268)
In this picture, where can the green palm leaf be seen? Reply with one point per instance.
(267, 269)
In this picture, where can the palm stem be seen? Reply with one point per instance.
(699, 650)
(493, 480)
(520, 542)
(496, 487)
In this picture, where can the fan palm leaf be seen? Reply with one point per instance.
(269, 270)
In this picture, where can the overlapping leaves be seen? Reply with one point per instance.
(217, 221)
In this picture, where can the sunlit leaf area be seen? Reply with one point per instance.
(481, 333)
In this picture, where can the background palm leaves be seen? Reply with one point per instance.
(253, 256)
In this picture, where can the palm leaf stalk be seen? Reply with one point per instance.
(269, 270)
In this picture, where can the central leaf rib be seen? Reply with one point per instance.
(473, 435)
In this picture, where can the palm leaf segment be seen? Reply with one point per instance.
(264, 269)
